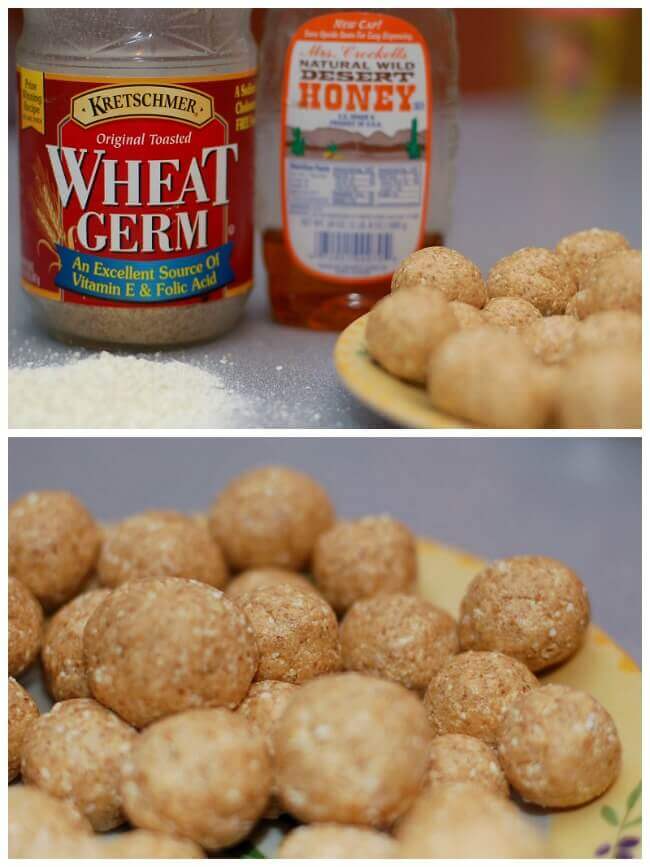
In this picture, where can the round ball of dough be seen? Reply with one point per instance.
(201, 774)
(552, 338)
(160, 544)
(398, 637)
(53, 545)
(464, 820)
(21, 712)
(77, 752)
(351, 749)
(582, 249)
(533, 608)
(163, 645)
(612, 283)
(296, 633)
(472, 691)
(148, 844)
(254, 579)
(357, 559)
(403, 329)
(610, 329)
(270, 516)
(601, 390)
(464, 759)
(264, 705)
(37, 822)
(535, 274)
(467, 316)
(559, 747)
(491, 378)
(25, 626)
(336, 841)
(511, 313)
(62, 655)
(444, 269)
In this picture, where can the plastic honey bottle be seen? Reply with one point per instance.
(356, 143)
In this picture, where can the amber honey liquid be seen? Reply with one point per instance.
(298, 298)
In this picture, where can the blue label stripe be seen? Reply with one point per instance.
(154, 281)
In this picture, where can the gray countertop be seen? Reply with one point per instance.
(517, 186)
(577, 499)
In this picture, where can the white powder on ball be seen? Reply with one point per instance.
(117, 391)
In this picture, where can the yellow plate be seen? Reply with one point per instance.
(398, 401)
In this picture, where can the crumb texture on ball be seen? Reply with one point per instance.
(21, 712)
(53, 545)
(559, 747)
(398, 637)
(601, 389)
(160, 544)
(581, 250)
(296, 633)
(328, 840)
(467, 316)
(58, 820)
(254, 579)
(608, 329)
(465, 759)
(25, 626)
(357, 559)
(444, 269)
(472, 691)
(552, 338)
(270, 516)
(464, 820)
(403, 329)
(533, 608)
(535, 274)
(62, 654)
(159, 646)
(149, 844)
(334, 763)
(201, 774)
(612, 283)
(512, 313)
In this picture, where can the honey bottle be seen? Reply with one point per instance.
(356, 144)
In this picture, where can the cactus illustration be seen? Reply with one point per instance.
(298, 143)
(413, 147)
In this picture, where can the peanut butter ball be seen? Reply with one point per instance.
(163, 645)
(358, 559)
(464, 759)
(404, 328)
(582, 249)
(77, 752)
(610, 329)
(467, 316)
(53, 545)
(148, 844)
(601, 390)
(444, 269)
(398, 637)
(510, 313)
(491, 378)
(25, 626)
(552, 338)
(158, 545)
(270, 516)
(254, 579)
(472, 691)
(351, 749)
(296, 633)
(62, 655)
(535, 274)
(533, 608)
(464, 820)
(559, 747)
(38, 822)
(264, 705)
(336, 841)
(612, 283)
(21, 712)
(201, 774)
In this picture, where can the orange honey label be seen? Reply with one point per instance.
(356, 154)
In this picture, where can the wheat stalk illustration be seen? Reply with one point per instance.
(49, 213)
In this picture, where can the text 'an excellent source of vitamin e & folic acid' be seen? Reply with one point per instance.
(136, 169)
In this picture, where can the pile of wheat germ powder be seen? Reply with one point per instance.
(120, 391)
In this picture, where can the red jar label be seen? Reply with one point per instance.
(136, 191)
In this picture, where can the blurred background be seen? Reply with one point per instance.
(575, 499)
